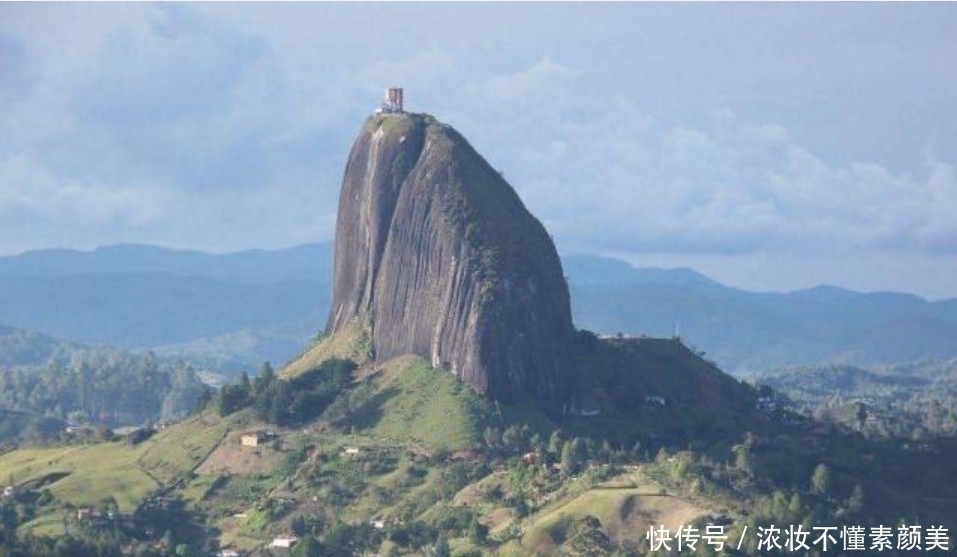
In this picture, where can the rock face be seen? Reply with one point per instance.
(438, 256)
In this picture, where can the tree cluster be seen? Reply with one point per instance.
(105, 387)
(291, 401)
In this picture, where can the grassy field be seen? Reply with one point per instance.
(91, 472)
(625, 508)
(85, 474)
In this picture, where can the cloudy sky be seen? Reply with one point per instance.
(771, 147)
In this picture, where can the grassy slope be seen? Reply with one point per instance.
(625, 509)
(93, 471)
(399, 402)
(128, 473)
(411, 401)
(350, 343)
(702, 404)
(403, 399)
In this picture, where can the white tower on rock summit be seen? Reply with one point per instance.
(391, 101)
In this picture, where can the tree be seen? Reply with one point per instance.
(203, 399)
(493, 437)
(861, 415)
(574, 453)
(568, 459)
(230, 399)
(70, 547)
(742, 460)
(441, 548)
(282, 408)
(638, 451)
(8, 518)
(298, 526)
(512, 438)
(555, 443)
(821, 480)
(478, 532)
(742, 455)
(855, 502)
(308, 546)
(795, 507)
(168, 540)
(264, 379)
(606, 452)
(341, 540)
(245, 385)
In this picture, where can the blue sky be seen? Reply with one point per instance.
(771, 146)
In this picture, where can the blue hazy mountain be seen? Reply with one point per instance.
(243, 307)
(309, 262)
(260, 305)
(748, 331)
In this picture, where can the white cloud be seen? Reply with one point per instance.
(29, 191)
(177, 127)
(607, 177)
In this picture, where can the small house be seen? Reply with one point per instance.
(252, 439)
(286, 542)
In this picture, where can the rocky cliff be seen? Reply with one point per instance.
(438, 256)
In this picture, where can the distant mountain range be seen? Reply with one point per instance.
(745, 332)
(242, 308)
(237, 309)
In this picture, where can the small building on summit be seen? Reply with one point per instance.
(392, 101)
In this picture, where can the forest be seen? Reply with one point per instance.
(103, 387)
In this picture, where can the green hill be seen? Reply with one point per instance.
(406, 400)
(85, 474)
(410, 448)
